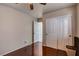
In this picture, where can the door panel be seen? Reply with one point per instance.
(51, 31)
(62, 32)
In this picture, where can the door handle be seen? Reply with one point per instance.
(70, 35)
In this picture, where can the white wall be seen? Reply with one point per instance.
(15, 29)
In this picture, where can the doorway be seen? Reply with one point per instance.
(38, 37)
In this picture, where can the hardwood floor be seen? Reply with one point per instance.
(28, 51)
(25, 51)
(47, 51)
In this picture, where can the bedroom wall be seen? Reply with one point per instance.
(15, 29)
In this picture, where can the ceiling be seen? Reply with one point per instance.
(54, 6)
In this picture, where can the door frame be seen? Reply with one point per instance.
(38, 20)
(32, 38)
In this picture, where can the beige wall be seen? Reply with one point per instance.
(15, 29)
(77, 20)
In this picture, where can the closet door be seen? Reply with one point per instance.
(65, 36)
(59, 32)
(62, 32)
(51, 32)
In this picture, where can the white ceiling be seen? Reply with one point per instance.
(54, 6)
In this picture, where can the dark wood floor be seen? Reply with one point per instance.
(28, 51)
(47, 51)
(25, 51)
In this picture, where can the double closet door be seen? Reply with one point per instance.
(58, 32)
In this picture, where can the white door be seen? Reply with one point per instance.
(63, 32)
(58, 30)
(51, 32)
